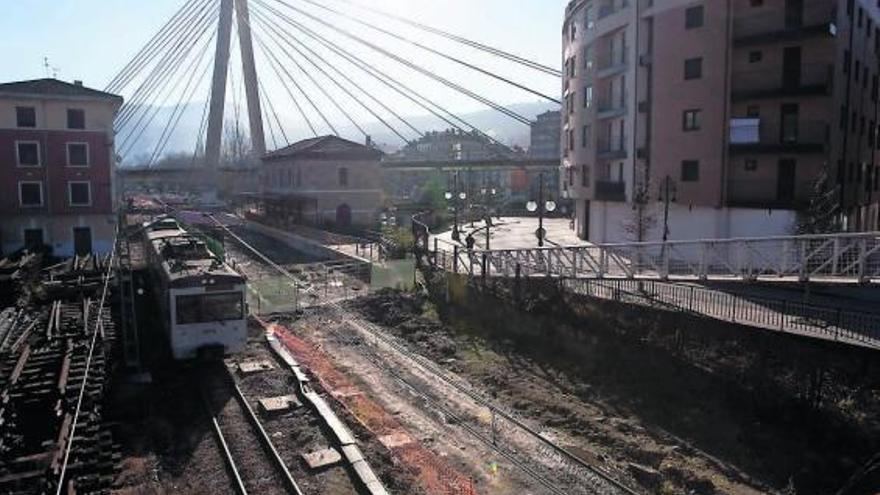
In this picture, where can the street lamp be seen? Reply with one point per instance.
(455, 196)
(541, 207)
(668, 194)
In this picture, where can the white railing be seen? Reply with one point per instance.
(853, 258)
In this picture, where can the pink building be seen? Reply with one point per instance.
(57, 165)
(730, 109)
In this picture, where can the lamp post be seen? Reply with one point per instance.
(668, 195)
(541, 207)
(455, 196)
(488, 195)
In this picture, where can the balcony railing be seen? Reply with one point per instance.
(778, 24)
(814, 79)
(611, 148)
(759, 136)
(610, 7)
(754, 193)
(611, 107)
(610, 61)
(607, 190)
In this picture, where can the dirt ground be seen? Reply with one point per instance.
(600, 414)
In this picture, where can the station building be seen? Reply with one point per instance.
(57, 163)
(322, 181)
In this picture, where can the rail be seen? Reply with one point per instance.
(848, 258)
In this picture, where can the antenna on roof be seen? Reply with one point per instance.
(51, 71)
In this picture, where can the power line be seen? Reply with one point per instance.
(435, 52)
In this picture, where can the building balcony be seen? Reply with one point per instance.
(611, 7)
(810, 80)
(774, 25)
(612, 64)
(752, 136)
(610, 108)
(608, 190)
(611, 149)
(754, 193)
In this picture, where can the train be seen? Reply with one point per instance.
(202, 300)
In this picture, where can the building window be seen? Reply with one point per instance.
(693, 17)
(571, 140)
(751, 164)
(585, 175)
(690, 171)
(755, 56)
(588, 97)
(691, 120)
(80, 193)
(753, 111)
(26, 116)
(343, 177)
(788, 132)
(77, 154)
(588, 57)
(27, 153)
(30, 194)
(589, 21)
(76, 118)
(693, 68)
(586, 135)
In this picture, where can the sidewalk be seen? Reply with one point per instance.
(517, 233)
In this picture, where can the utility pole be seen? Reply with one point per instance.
(251, 86)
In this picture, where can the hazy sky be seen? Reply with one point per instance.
(92, 40)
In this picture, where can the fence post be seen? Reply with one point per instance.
(839, 322)
(863, 259)
(484, 268)
(436, 250)
(516, 281)
(455, 259)
(782, 315)
(691, 301)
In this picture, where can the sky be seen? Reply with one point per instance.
(91, 40)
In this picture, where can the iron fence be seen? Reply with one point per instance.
(783, 315)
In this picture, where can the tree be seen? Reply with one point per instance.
(643, 219)
(236, 144)
(822, 215)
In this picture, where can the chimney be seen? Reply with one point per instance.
(77, 83)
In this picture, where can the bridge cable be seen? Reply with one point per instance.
(160, 72)
(146, 85)
(276, 64)
(271, 25)
(320, 87)
(422, 101)
(147, 53)
(180, 107)
(152, 110)
(435, 52)
(149, 111)
(446, 82)
(269, 124)
(459, 39)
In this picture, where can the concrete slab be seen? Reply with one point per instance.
(517, 233)
(322, 458)
(251, 367)
(278, 405)
(395, 440)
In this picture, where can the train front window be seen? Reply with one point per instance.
(209, 307)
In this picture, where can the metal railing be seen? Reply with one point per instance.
(783, 315)
(852, 258)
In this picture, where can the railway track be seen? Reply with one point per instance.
(252, 460)
(553, 466)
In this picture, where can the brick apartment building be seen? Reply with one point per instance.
(324, 180)
(731, 109)
(56, 166)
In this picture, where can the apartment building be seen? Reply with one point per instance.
(723, 112)
(545, 135)
(57, 165)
